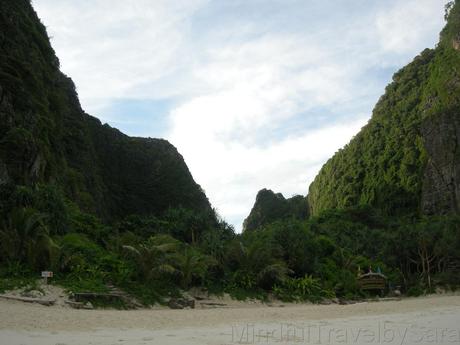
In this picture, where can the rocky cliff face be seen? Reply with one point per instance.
(441, 183)
(270, 207)
(45, 136)
(406, 159)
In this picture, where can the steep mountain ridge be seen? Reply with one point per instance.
(270, 206)
(405, 160)
(46, 137)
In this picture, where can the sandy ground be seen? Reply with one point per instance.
(426, 320)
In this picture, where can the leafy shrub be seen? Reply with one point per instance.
(306, 288)
(415, 291)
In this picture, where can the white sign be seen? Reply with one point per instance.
(47, 274)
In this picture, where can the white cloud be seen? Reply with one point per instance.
(110, 47)
(253, 88)
(257, 101)
(405, 26)
(235, 172)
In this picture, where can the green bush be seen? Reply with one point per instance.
(415, 291)
(306, 288)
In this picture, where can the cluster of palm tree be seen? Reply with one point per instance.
(254, 265)
(295, 259)
(25, 238)
(162, 258)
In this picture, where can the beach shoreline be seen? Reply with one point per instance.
(17, 315)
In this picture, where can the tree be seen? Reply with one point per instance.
(192, 264)
(155, 257)
(427, 233)
(257, 262)
(25, 238)
(447, 8)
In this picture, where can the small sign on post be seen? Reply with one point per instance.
(46, 275)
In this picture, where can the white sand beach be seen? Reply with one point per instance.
(424, 320)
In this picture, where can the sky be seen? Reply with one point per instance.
(253, 93)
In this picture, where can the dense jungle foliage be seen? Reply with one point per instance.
(100, 209)
(156, 257)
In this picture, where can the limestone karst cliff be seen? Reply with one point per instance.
(46, 137)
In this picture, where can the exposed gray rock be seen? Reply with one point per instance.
(33, 294)
(181, 303)
(325, 301)
(198, 293)
(456, 43)
(89, 306)
(441, 184)
(38, 165)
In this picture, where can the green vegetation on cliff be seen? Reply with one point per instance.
(270, 207)
(387, 163)
(73, 192)
(45, 137)
(392, 195)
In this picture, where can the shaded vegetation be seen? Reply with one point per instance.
(293, 259)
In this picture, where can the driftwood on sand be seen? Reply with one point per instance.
(46, 302)
(79, 296)
(79, 305)
(115, 295)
